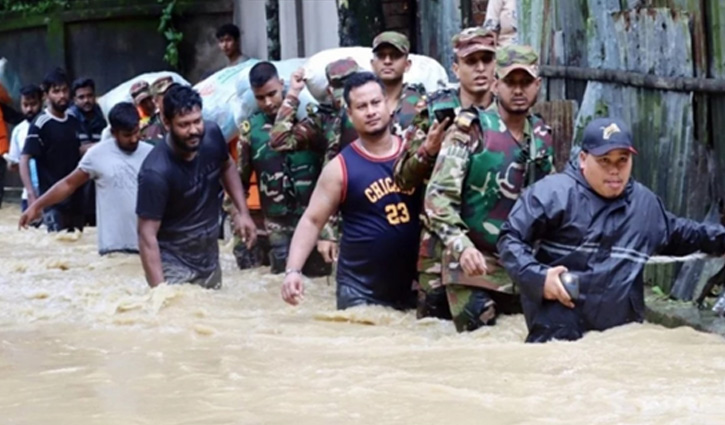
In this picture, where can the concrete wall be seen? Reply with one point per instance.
(319, 32)
(113, 42)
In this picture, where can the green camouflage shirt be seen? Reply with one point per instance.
(414, 166)
(480, 172)
(154, 131)
(325, 129)
(408, 108)
(255, 155)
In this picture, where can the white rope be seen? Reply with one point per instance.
(665, 259)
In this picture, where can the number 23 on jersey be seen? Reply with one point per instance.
(397, 213)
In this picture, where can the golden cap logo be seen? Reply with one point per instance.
(609, 130)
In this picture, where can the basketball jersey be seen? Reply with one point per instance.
(380, 231)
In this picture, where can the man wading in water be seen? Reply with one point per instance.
(379, 222)
(180, 196)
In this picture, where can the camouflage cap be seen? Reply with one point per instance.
(140, 90)
(395, 39)
(513, 57)
(161, 85)
(338, 71)
(472, 40)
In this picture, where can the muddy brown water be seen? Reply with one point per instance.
(84, 341)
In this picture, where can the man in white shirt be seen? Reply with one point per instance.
(113, 164)
(31, 100)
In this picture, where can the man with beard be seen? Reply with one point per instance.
(87, 112)
(89, 115)
(113, 164)
(180, 196)
(390, 62)
(31, 100)
(280, 194)
(54, 143)
(475, 51)
(485, 162)
(380, 228)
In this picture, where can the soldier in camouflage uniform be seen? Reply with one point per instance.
(285, 179)
(390, 63)
(154, 131)
(486, 160)
(475, 52)
(326, 129)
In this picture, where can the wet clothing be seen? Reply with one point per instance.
(480, 172)
(54, 144)
(114, 172)
(380, 228)
(91, 129)
(186, 196)
(606, 242)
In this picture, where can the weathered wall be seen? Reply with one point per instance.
(113, 40)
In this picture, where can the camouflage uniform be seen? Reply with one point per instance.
(325, 129)
(286, 181)
(415, 165)
(154, 131)
(480, 172)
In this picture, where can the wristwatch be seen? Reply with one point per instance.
(290, 271)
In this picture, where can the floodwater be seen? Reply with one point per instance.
(84, 341)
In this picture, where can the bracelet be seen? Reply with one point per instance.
(290, 271)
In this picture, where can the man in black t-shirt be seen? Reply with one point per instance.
(53, 142)
(180, 195)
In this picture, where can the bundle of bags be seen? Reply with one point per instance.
(228, 99)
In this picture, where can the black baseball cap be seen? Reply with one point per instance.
(606, 134)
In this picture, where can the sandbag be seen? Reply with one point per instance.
(121, 93)
(423, 70)
(228, 99)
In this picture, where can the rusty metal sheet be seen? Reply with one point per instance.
(559, 115)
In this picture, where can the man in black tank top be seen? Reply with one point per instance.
(380, 226)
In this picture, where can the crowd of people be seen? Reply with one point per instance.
(445, 202)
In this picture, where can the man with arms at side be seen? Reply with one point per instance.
(380, 227)
(31, 101)
(594, 221)
(90, 117)
(113, 164)
(180, 196)
(53, 142)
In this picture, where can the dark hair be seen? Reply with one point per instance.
(123, 116)
(82, 83)
(359, 79)
(31, 90)
(54, 78)
(261, 73)
(180, 100)
(228, 29)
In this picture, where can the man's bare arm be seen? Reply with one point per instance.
(25, 177)
(148, 245)
(325, 201)
(60, 191)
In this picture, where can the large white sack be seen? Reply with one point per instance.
(10, 80)
(121, 93)
(228, 99)
(423, 70)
